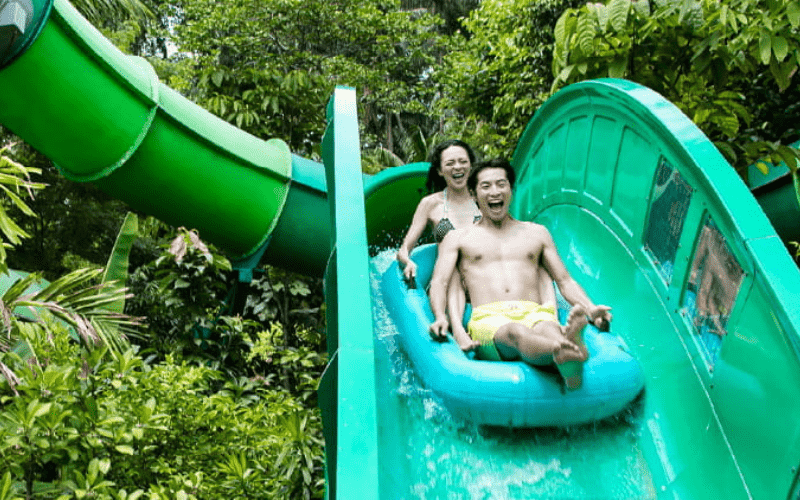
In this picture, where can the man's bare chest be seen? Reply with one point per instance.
(487, 250)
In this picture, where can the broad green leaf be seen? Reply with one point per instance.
(125, 449)
(5, 485)
(117, 266)
(566, 73)
(618, 67)
(94, 469)
(642, 7)
(789, 156)
(38, 409)
(110, 421)
(729, 125)
(560, 31)
(701, 115)
(585, 34)
(104, 465)
(602, 17)
(793, 13)
(765, 47)
(780, 48)
(618, 13)
(782, 72)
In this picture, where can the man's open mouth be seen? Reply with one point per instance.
(494, 205)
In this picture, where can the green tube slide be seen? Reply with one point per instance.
(104, 117)
(647, 215)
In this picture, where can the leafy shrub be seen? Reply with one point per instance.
(90, 423)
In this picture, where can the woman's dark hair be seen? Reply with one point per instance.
(435, 180)
(472, 180)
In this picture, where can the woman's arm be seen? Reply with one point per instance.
(418, 224)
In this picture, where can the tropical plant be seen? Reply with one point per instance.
(104, 12)
(270, 67)
(492, 83)
(74, 227)
(15, 184)
(727, 65)
(286, 297)
(182, 294)
(86, 424)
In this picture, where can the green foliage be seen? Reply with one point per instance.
(75, 224)
(796, 246)
(86, 424)
(15, 183)
(181, 294)
(102, 11)
(493, 83)
(78, 301)
(270, 67)
(296, 366)
(286, 297)
(185, 298)
(727, 65)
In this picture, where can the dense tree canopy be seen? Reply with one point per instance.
(492, 84)
(269, 67)
(728, 65)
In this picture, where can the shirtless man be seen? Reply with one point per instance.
(499, 259)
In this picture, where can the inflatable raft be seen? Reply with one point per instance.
(509, 394)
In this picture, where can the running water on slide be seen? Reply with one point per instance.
(646, 213)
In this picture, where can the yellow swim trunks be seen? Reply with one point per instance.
(486, 320)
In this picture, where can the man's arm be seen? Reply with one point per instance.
(442, 271)
(570, 288)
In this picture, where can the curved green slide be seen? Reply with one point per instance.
(646, 213)
(104, 117)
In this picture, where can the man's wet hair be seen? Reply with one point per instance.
(472, 180)
(435, 181)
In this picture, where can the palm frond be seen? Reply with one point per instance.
(10, 377)
(117, 266)
(99, 12)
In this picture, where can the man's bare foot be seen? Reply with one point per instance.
(570, 365)
(573, 330)
(569, 359)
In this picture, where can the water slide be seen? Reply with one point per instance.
(646, 213)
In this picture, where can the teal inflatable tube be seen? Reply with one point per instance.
(508, 394)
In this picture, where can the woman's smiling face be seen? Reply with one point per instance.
(455, 166)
